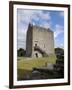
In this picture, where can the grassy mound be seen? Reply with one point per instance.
(25, 65)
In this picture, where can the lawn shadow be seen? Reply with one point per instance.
(23, 74)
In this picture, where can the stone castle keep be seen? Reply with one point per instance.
(39, 41)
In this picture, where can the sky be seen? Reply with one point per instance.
(44, 18)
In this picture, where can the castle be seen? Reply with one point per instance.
(39, 41)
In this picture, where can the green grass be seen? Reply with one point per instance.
(25, 65)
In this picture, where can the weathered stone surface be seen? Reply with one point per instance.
(39, 37)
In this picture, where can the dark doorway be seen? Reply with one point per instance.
(35, 45)
(36, 55)
(21, 54)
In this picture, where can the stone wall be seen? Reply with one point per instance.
(29, 41)
(44, 39)
(41, 37)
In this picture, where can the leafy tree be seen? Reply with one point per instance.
(21, 52)
(59, 52)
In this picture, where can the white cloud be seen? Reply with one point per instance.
(42, 15)
(45, 25)
(62, 45)
(62, 14)
(45, 16)
(27, 16)
(24, 17)
(21, 38)
(59, 43)
(58, 30)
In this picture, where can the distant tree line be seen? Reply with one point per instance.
(58, 51)
(21, 52)
(59, 66)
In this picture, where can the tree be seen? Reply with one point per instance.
(59, 66)
(59, 52)
(21, 52)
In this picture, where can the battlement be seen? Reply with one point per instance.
(40, 28)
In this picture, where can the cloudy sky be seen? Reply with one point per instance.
(45, 18)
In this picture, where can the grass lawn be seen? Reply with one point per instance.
(25, 65)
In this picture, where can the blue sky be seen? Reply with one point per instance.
(44, 18)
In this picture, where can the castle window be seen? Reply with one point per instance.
(35, 44)
(36, 54)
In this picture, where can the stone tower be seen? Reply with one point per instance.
(39, 41)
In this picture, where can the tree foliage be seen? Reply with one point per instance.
(21, 52)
